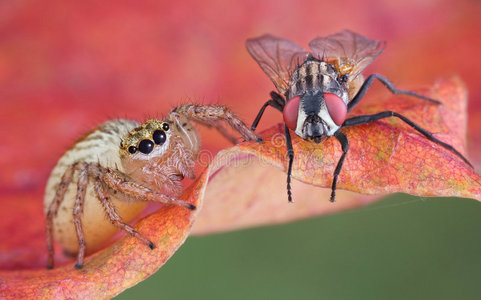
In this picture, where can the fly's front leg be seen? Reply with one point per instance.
(342, 138)
(215, 113)
(290, 153)
(276, 101)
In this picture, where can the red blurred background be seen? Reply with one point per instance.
(66, 66)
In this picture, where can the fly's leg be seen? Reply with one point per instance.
(386, 114)
(214, 113)
(83, 181)
(367, 83)
(114, 216)
(67, 178)
(276, 101)
(290, 153)
(342, 138)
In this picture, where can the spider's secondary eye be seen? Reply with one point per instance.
(132, 149)
(165, 127)
(146, 146)
(159, 136)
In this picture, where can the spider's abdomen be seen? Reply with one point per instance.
(99, 146)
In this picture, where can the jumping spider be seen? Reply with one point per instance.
(149, 165)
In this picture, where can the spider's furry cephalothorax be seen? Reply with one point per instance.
(161, 153)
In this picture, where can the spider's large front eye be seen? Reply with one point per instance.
(146, 146)
(159, 137)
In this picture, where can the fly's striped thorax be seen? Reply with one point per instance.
(315, 75)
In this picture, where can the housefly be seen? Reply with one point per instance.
(317, 89)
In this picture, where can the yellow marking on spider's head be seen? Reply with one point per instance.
(144, 131)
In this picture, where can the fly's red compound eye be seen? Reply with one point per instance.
(336, 107)
(290, 112)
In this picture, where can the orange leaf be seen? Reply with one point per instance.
(110, 271)
(245, 186)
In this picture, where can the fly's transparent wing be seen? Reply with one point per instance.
(348, 51)
(277, 57)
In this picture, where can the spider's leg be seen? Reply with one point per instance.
(215, 113)
(78, 208)
(119, 182)
(221, 129)
(386, 114)
(342, 138)
(114, 216)
(276, 101)
(67, 178)
(367, 83)
(290, 153)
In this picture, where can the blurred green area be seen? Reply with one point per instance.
(403, 247)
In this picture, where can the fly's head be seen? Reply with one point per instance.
(314, 114)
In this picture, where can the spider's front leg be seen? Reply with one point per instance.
(106, 180)
(114, 216)
(118, 181)
(211, 114)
